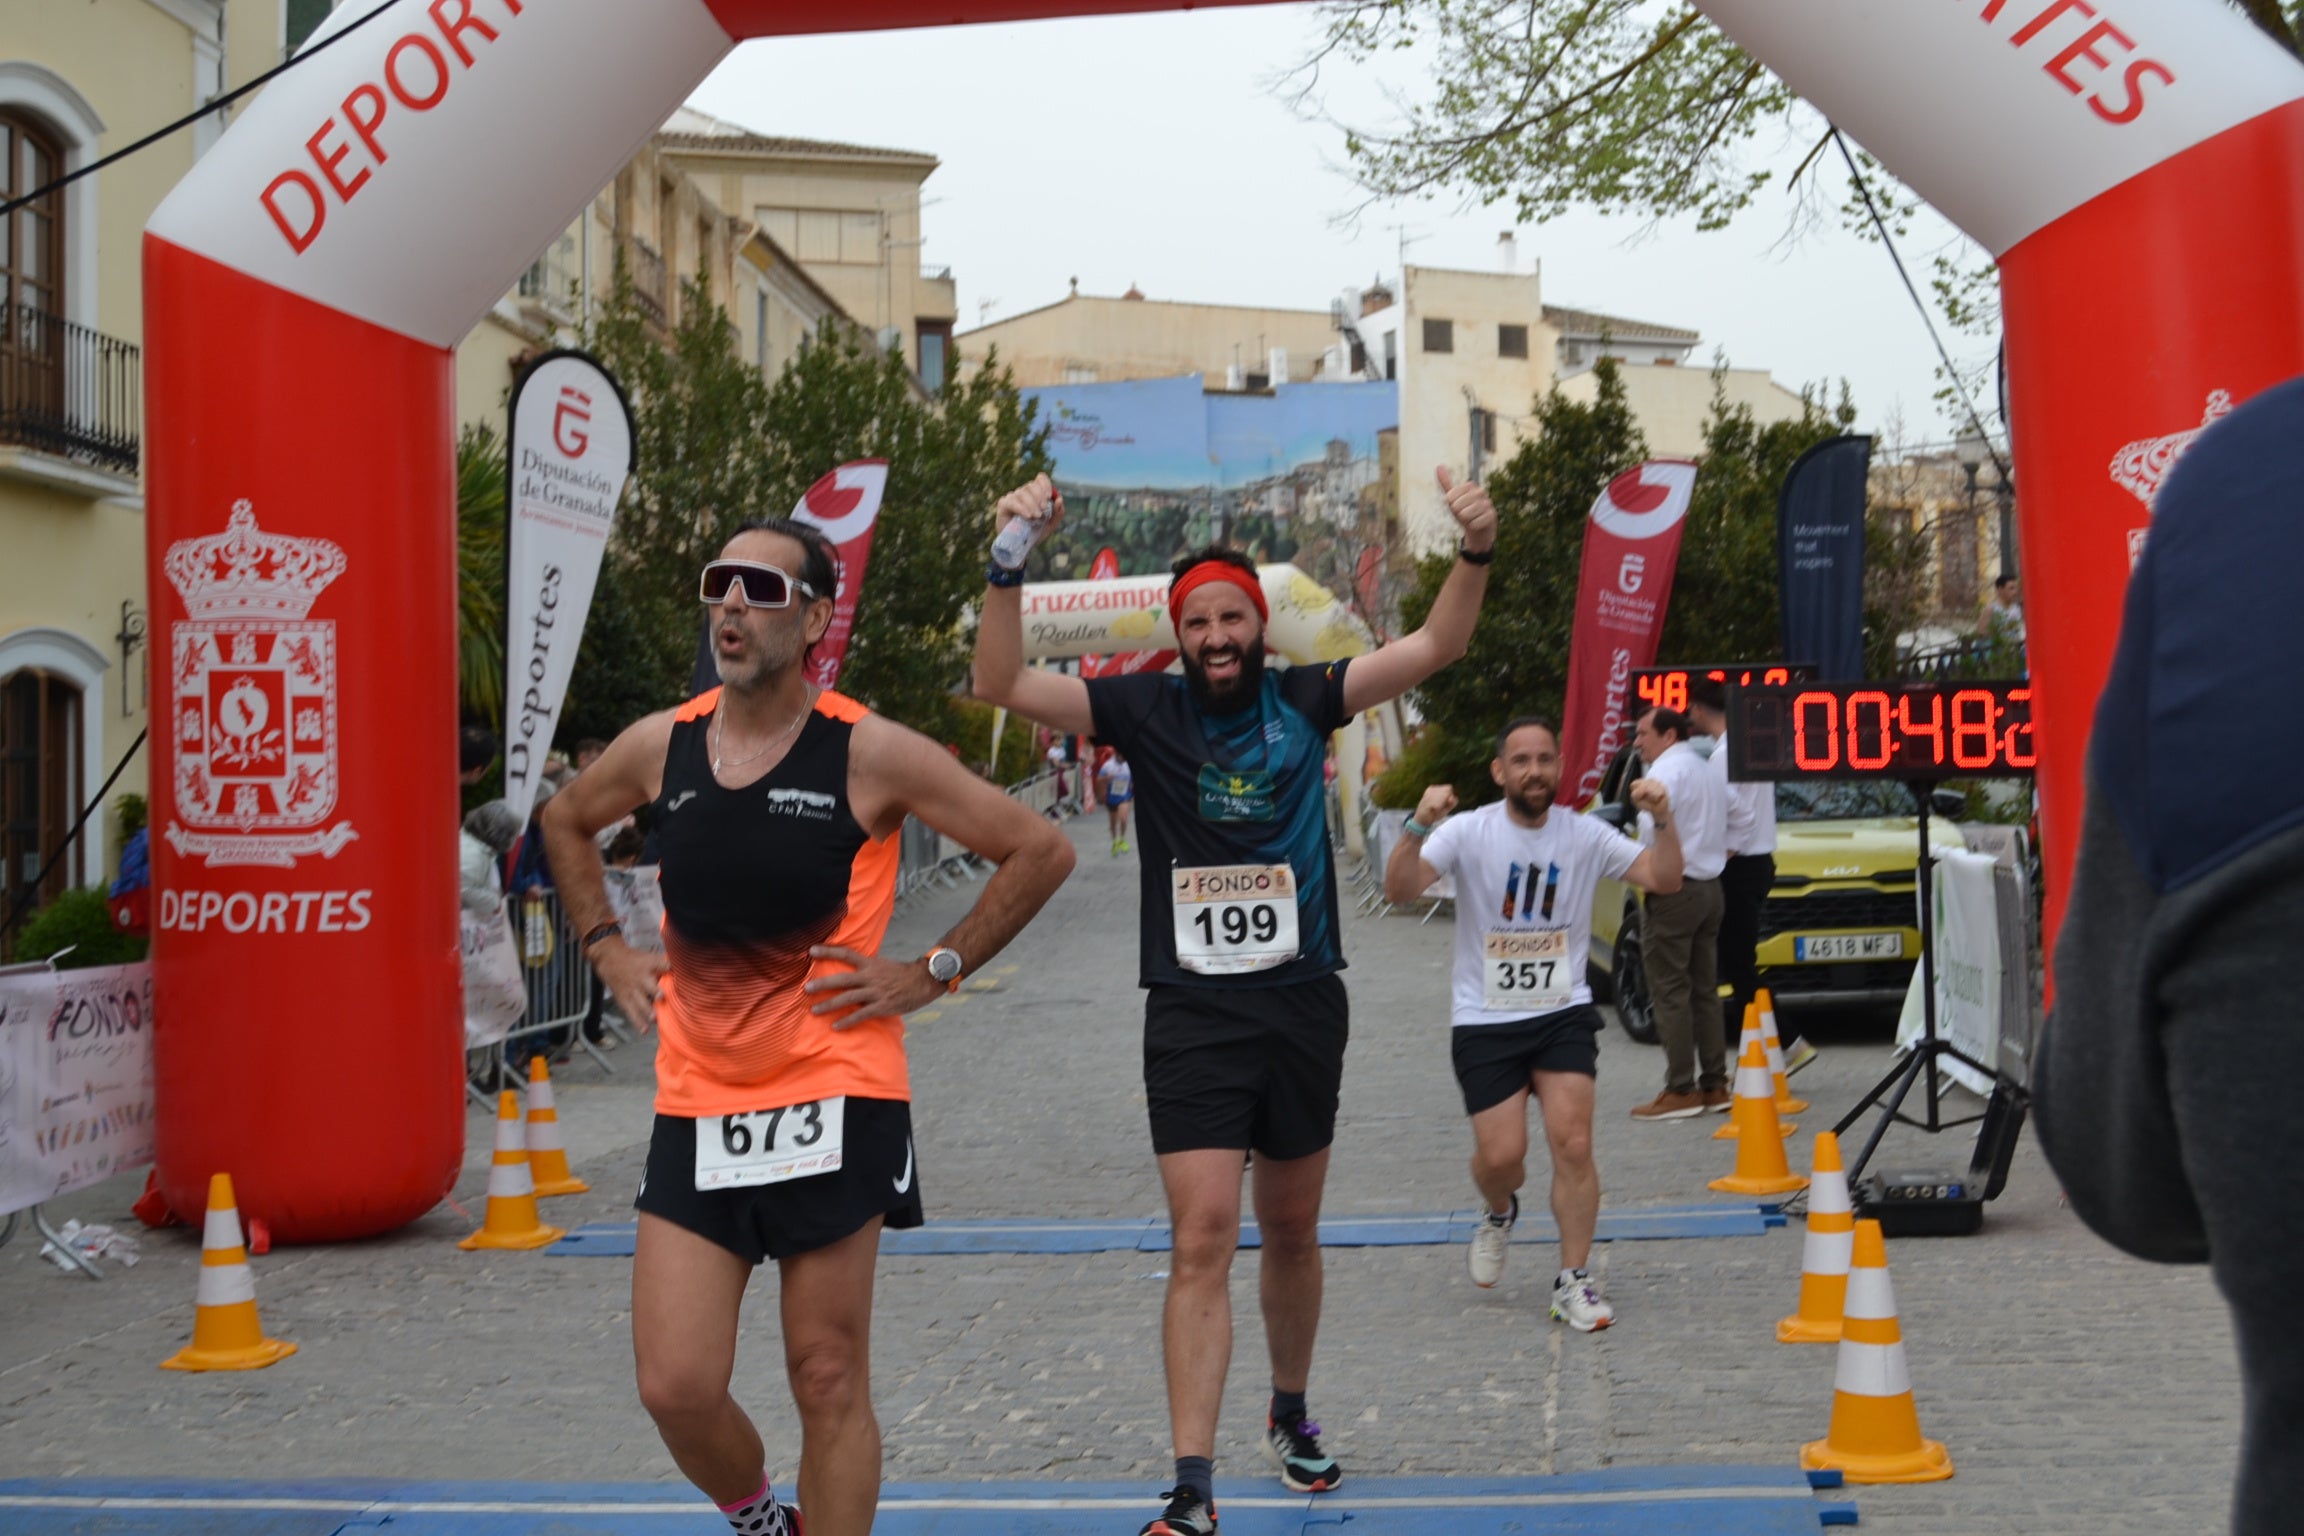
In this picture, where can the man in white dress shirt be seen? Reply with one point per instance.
(1749, 874)
(1680, 932)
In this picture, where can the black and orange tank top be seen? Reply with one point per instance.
(753, 878)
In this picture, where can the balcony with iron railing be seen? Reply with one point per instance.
(69, 392)
(648, 280)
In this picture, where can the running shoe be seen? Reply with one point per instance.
(1185, 1515)
(1797, 1055)
(1490, 1239)
(1123, 845)
(1294, 1445)
(1577, 1302)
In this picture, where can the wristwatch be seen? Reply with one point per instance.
(944, 965)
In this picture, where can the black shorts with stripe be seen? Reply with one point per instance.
(877, 1177)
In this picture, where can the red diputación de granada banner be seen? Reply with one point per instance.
(2137, 166)
(1631, 546)
(845, 504)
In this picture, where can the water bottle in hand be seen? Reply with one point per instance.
(1015, 540)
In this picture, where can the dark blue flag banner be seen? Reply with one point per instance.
(1820, 557)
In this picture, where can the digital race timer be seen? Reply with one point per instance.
(1667, 687)
(1912, 731)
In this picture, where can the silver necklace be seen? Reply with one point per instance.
(720, 734)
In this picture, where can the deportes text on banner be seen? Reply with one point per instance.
(1631, 547)
(570, 453)
(75, 1078)
(845, 504)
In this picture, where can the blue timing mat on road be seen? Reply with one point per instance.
(1639, 1501)
(1149, 1234)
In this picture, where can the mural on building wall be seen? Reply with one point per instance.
(1306, 473)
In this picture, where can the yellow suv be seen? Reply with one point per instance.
(1840, 925)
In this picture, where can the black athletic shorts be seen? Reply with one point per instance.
(1245, 1068)
(1494, 1061)
(877, 1176)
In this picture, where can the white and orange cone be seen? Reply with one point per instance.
(1760, 1165)
(512, 1221)
(1825, 1254)
(1751, 1032)
(1875, 1435)
(226, 1333)
(547, 1153)
(1785, 1103)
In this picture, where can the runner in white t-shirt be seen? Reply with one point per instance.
(1525, 871)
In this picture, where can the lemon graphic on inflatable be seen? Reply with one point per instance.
(1134, 626)
(1308, 595)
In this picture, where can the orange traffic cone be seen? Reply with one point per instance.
(1875, 1434)
(511, 1219)
(1785, 1103)
(1760, 1166)
(547, 1154)
(1824, 1257)
(1729, 1131)
(226, 1335)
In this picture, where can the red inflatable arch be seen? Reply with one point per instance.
(2135, 164)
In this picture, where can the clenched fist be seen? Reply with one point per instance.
(1468, 503)
(1649, 795)
(1439, 800)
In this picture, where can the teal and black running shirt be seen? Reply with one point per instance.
(1246, 788)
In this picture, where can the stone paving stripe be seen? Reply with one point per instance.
(1150, 1234)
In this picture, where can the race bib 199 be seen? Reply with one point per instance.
(769, 1146)
(1526, 972)
(1233, 918)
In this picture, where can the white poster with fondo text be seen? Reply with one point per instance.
(569, 456)
(75, 1078)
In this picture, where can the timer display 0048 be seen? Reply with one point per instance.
(1911, 731)
(1667, 687)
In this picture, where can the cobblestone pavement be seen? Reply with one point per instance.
(2078, 1391)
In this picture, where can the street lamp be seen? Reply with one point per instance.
(1974, 450)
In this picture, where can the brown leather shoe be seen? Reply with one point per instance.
(1716, 1099)
(1670, 1106)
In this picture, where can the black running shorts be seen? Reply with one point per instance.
(1245, 1068)
(877, 1176)
(1495, 1061)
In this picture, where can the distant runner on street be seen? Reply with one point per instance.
(1521, 1009)
(783, 1107)
(1245, 1017)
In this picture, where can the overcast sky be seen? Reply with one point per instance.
(1154, 150)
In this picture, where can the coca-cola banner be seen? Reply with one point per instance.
(845, 504)
(1631, 546)
(570, 454)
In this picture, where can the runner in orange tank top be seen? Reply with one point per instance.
(783, 1126)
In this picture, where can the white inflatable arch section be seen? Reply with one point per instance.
(2136, 165)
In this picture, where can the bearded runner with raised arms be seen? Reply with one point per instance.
(783, 1106)
(1245, 1016)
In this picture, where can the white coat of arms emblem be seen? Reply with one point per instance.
(253, 697)
(2140, 467)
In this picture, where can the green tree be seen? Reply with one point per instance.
(716, 444)
(1518, 661)
(1723, 604)
(1623, 106)
(480, 573)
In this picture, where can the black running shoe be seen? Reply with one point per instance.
(1185, 1515)
(1294, 1444)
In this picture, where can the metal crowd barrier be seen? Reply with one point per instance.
(927, 859)
(559, 984)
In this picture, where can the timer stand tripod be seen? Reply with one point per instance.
(1897, 1084)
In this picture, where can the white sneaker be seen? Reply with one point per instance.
(1490, 1239)
(1577, 1302)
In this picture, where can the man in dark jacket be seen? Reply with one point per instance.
(2167, 1072)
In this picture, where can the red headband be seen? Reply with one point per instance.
(1214, 570)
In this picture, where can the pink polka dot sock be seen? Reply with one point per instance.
(759, 1515)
